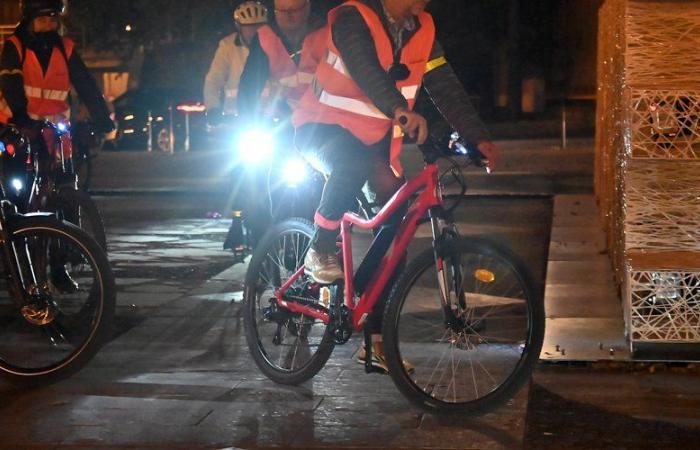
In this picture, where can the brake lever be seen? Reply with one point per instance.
(473, 154)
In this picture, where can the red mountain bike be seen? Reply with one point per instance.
(463, 326)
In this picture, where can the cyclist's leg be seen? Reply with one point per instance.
(347, 163)
(257, 214)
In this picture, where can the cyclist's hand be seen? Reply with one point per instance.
(490, 152)
(412, 124)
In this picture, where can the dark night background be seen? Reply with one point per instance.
(493, 45)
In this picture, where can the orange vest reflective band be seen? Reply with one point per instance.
(336, 99)
(287, 80)
(47, 93)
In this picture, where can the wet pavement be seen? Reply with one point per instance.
(177, 373)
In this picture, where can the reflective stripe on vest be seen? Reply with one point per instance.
(362, 108)
(47, 94)
(337, 63)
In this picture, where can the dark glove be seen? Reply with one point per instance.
(22, 120)
(214, 116)
(29, 127)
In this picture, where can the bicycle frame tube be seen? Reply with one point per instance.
(427, 181)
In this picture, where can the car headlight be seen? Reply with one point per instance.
(294, 172)
(255, 146)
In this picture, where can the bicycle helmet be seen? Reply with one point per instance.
(250, 13)
(37, 8)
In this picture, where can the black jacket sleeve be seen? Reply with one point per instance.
(352, 37)
(89, 93)
(450, 98)
(253, 80)
(12, 82)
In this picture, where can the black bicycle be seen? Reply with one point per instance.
(45, 179)
(57, 295)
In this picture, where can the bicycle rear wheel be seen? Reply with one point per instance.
(68, 306)
(289, 348)
(476, 356)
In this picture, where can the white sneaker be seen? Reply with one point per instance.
(323, 268)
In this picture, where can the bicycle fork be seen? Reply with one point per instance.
(437, 228)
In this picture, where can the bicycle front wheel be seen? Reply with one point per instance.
(67, 304)
(474, 355)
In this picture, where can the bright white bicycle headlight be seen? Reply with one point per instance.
(255, 146)
(17, 184)
(294, 172)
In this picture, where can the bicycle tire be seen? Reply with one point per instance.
(101, 298)
(263, 354)
(416, 386)
(78, 208)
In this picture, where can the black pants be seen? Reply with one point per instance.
(352, 169)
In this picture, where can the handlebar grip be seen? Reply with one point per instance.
(403, 120)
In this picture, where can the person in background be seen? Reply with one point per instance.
(38, 67)
(222, 80)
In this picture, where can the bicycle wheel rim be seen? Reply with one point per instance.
(469, 365)
(31, 349)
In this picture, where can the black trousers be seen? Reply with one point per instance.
(352, 168)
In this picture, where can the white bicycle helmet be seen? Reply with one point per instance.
(250, 13)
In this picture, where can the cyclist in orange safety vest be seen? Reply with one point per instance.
(38, 67)
(282, 61)
(279, 69)
(380, 53)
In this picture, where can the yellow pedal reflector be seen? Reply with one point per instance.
(485, 276)
(325, 296)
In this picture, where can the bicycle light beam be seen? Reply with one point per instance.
(255, 146)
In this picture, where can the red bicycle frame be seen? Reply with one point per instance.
(430, 197)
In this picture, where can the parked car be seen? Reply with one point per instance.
(138, 108)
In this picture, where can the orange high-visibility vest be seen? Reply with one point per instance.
(47, 93)
(287, 81)
(335, 98)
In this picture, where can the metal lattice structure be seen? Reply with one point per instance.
(665, 306)
(665, 124)
(648, 162)
(664, 207)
